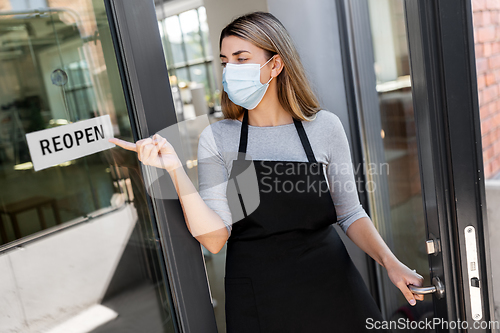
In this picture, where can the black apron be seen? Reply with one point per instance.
(287, 269)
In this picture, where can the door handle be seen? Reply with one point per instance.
(437, 288)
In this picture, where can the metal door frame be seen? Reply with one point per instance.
(145, 80)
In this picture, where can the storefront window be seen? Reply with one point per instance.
(77, 238)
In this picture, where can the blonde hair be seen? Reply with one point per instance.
(265, 31)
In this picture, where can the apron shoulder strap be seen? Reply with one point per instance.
(243, 135)
(305, 141)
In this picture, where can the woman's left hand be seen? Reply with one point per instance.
(402, 276)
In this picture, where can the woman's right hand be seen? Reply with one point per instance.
(155, 151)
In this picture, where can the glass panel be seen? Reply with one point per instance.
(188, 53)
(193, 97)
(199, 75)
(173, 31)
(191, 32)
(182, 76)
(166, 43)
(214, 96)
(202, 14)
(91, 250)
(398, 134)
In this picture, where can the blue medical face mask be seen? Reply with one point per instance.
(242, 84)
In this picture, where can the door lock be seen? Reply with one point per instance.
(437, 287)
(473, 272)
(433, 246)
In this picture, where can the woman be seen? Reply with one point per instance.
(287, 269)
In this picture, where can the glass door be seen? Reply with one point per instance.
(416, 99)
(389, 140)
(78, 240)
(441, 40)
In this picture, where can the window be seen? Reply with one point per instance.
(187, 50)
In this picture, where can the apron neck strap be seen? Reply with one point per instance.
(298, 126)
(304, 140)
(243, 136)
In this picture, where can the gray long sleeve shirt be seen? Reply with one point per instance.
(218, 147)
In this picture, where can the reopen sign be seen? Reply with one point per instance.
(65, 143)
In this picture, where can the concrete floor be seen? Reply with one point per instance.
(138, 311)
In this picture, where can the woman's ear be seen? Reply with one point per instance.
(277, 65)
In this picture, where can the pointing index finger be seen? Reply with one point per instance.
(124, 144)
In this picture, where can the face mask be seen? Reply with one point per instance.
(242, 84)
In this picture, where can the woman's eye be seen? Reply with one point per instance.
(223, 64)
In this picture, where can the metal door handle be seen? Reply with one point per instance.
(422, 290)
(437, 287)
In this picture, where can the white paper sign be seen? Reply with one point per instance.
(60, 144)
